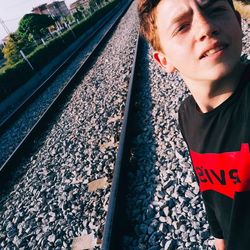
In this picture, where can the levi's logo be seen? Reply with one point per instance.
(225, 173)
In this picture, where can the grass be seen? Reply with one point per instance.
(244, 9)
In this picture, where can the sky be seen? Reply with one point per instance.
(11, 11)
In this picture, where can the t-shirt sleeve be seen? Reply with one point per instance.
(215, 229)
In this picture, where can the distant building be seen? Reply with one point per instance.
(77, 4)
(58, 9)
(54, 9)
(41, 9)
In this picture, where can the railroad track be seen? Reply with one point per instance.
(152, 179)
(119, 223)
(154, 202)
(113, 230)
(47, 202)
(38, 123)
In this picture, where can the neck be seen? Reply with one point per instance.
(210, 94)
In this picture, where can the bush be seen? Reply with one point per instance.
(12, 76)
(42, 55)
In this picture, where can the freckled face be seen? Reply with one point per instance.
(199, 38)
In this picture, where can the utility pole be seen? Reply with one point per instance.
(4, 26)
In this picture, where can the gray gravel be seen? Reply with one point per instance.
(50, 203)
(163, 206)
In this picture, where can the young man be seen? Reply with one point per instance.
(202, 40)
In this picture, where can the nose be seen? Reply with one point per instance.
(205, 27)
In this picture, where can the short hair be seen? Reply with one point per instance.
(147, 19)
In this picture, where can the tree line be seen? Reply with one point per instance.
(33, 28)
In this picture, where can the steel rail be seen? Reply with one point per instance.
(49, 80)
(113, 224)
(41, 124)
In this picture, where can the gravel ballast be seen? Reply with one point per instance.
(50, 204)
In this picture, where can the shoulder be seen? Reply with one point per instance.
(187, 105)
(185, 113)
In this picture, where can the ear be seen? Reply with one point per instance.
(161, 59)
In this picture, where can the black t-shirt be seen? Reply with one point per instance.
(218, 143)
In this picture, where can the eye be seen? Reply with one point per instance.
(182, 27)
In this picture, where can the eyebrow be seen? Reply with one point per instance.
(179, 17)
(202, 4)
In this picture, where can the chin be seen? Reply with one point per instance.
(222, 71)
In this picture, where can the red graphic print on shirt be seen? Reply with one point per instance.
(225, 173)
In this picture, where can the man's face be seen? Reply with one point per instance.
(199, 38)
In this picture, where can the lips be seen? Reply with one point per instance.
(213, 50)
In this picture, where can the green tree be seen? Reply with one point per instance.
(12, 48)
(35, 25)
(78, 14)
